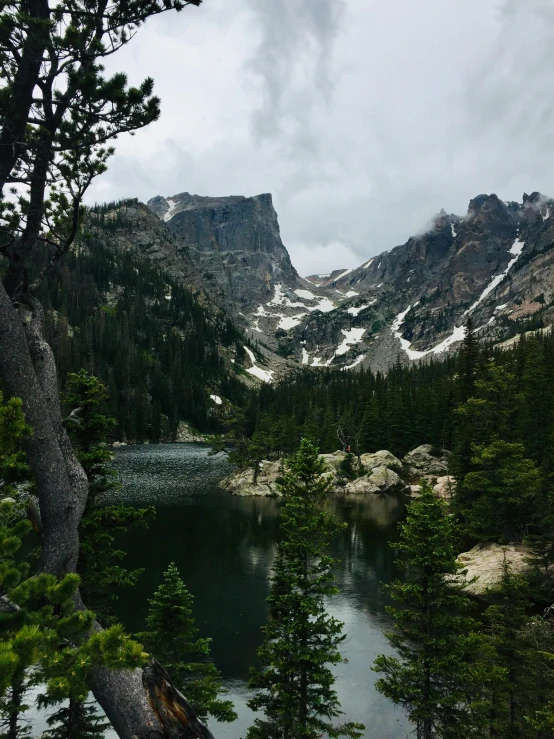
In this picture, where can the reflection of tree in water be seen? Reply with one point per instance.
(224, 546)
(366, 557)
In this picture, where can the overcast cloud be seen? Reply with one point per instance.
(363, 118)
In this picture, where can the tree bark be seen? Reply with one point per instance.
(28, 371)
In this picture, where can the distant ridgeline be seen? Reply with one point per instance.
(417, 404)
(142, 332)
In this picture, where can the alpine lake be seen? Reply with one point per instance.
(224, 546)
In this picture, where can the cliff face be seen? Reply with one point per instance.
(234, 241)
(495, 264)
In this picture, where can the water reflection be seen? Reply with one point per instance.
(224, 546)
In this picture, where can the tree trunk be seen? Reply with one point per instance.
(28, 371)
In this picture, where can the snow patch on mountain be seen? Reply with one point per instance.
(288, 322)
(351, 337)
(354, 311)
(261, 374)
(355, 363)
(457, 334)
(343, 274)
(173, 204)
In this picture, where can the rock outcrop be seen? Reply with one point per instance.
(380, 472)
(495, 264)
(265, 484)
(484, 564)
(234, 241)
(381, 479)
(422, 461)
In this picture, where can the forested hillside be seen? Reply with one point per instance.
(416, 404)
(145, 335)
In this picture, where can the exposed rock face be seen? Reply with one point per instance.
(235, 242)
(421, 462)
(485, 562)
(380, 458)
(242, 482)
(495, 264)
(185, 433)
(445, 487)
(380, 480)
(381, 476)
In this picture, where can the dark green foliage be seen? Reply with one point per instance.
(413, 405)
(13, 464)
(503, 489)
(77, 720)
(294, 686)
(159, 357)
(510, 692)
(435, 674)
(39, 637)
(408, 407)
(99, 559)
(172, 637)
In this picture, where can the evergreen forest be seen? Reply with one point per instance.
(145, 335)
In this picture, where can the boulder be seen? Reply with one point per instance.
(421, 461)
(413, 490)
(361, 486)
(334, 460)
(379, 480)
(187, 434)
(379, 459)
(445, 487)
(242, 482)
(384, 478)
(485, 563)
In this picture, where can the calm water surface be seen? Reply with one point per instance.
(224, 547)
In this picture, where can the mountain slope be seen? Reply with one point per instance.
(129, 307)
(495, 264)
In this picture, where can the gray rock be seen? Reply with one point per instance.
(421, 461)
(242, 482)
(379, 480)
(382, 457)
(445, 487)
(361, 486)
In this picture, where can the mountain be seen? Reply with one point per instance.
(183, 304)
(129, 306)
(495, 264)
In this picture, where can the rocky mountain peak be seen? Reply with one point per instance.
(235, 241)
(495, 264)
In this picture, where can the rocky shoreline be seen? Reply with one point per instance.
(381, 473)
(377, 473)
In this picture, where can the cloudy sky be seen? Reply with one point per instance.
(363, 118)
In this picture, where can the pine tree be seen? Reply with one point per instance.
(99, 560)
(433, 675)
(76, 720)
(172, 638)
(510, 689)
(294, 686)
(503, 489)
